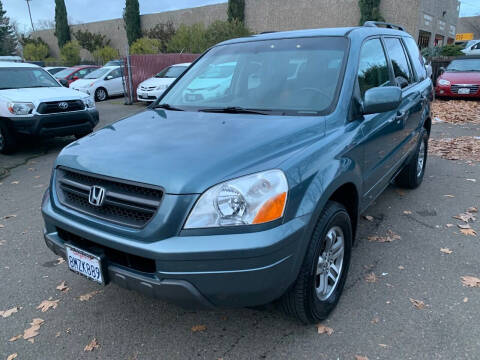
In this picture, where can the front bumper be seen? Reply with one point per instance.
(446, 91)
(58, 124)
(149, 96)
(229, 270)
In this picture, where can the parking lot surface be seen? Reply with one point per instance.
(404, 299)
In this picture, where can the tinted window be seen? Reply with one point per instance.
(116, 73)
(286, 76)
(171, 72)
(373, 69)
(416, 58)
(399, 61)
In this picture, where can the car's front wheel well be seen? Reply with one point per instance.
(347, 195)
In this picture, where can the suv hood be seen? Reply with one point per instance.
(188, 152)
(38, 95)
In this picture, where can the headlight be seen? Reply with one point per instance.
(21, 108)
(251, 199)
(162, 87)
(443, 82)
(89, 102)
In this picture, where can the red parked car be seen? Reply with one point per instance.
(69, 75)
(461, 78)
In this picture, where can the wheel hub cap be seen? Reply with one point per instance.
(330, 263)
(421, 159)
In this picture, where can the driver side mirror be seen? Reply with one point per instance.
(381, 99)
(109, 77)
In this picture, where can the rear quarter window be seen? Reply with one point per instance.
(416, 58)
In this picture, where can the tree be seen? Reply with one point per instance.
(62, 31)
(104, 54)
(236, 10)
(145, 46)
(35, 52)
(70, 53)
(162, 32)
(220, 31)
(369, 11)
(190, 39)
(8, 38)
(131, 17)
(91, 41)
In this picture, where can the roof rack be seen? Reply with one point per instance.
(385, 24)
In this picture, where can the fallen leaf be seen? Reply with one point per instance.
(88, 296)
(32, 331)
(470, 281)
(92, 345)
(465, 299)
(359, 357)
(371, 277)
(37, 176)
(472, 209)
(15, 338)
(417, 303)
(449, 196)
(47, 304)
(322, 329)
(446, 250)
(197, 328)
(368, 217)
(3, 242)
(58, 334)
(400, 192)
(449, 225)
(12, 356)
(472, 180)
(391, 236)
(63, 287)
(2, 226)
(383, 345)
(464, 226)
(468, 232)
(375, 320)
(9, 312)
(465, 217)
(9, 217)
(401, 267)
(60, 260)
(407, 212)
(15, 182)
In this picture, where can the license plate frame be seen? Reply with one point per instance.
(73, 252)
(464, 91)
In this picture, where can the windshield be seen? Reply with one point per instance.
(171, 72)
(20, 78)
(64, 73)
(95, 74)
(287, 76)
(464, 65)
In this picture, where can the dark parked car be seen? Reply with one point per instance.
(461, 78)
(253, 194)
(71, 74)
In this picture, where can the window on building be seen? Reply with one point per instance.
(438, 40)
(401, 69)
(373, 68)
(423, 39)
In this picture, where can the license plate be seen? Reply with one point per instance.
(464, 91)
(85, 263)
(142, 95)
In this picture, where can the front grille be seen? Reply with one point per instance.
(113, 256)
(473, 88)
(53, 107)
(147, 88)
(126, 203)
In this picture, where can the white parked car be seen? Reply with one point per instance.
(101, 83)
(152, 88)
(32, 102)
(472, 48)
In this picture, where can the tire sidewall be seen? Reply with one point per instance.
(423, 138)
(321, 308)
(97, 92)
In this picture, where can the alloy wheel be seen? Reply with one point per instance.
(421, 159)
(101, 94)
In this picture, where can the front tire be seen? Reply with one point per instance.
(101, 94)
(412, 174)
(322, 276)
(8, 141)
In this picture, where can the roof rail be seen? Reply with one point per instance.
(385, 24)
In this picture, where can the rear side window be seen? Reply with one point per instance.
(401, 70)
(373, 69)
(416, 58)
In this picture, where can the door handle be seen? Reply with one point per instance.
(400, 115)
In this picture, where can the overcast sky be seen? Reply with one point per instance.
(94, 10)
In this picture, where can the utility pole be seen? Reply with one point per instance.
(30, 13)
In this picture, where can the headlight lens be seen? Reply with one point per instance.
(443, 82)
(162, 87)
(251, 199)
(89, 102)
(21, 108)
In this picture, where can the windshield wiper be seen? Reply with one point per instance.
(235, 110)
(168, 107)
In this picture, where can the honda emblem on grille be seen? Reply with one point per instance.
(96, 197)
(63, 105)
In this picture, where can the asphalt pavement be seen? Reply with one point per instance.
(376, 319)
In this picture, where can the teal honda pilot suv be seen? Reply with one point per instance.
(248, 192)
